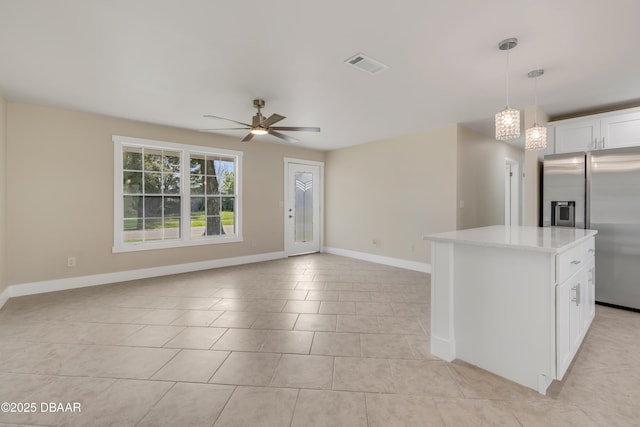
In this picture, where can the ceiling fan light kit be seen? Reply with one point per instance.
(262, 126)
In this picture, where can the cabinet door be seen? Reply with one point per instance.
(571, 137)
(567, 324)
(621, 130)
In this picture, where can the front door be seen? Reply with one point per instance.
(302, 208)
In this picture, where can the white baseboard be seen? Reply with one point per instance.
(395, 262)
(122, 276)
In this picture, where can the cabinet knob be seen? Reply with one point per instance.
(576, 261)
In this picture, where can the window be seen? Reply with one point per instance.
(170, 195)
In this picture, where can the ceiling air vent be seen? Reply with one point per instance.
(364, 63)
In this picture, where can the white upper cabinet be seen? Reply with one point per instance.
(606, 130)
(621, 130)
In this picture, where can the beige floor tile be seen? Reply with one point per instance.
(354, 296)
(336, 344)
(396, 410)
(316, 322)
(263, 406)
(386, 346)
(152, 336)
(531, 414)
(242, 340)
(363, 324)
(229, 293)
(192, 366)
(192, 405)
(322, 296)
(196, 338)
(124, 362)
(279, 294)
(301, 307)
(477, 383)
(336, 307)
(320, 408)
(360, 374)
(235, 319)
(275, 321)
(409, 309)
(472, 412)
(122, 404)
(421, 346)
(241, 368)
(80, 342)
(311, 286)
(333, 285)
(400, 325)
(197, 318)
(288, 342)
(423, 377)
(231, 304)
(160, 317)
(302, 371)
(81, 390)
(196, 303)
(373, 309)
(265, 306)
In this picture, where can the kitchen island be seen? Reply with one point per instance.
(514, 300)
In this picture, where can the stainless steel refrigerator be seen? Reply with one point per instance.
(600, 190)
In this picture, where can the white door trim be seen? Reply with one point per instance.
(287, 162)
(511, 192)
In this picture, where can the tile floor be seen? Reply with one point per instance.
(317, 340)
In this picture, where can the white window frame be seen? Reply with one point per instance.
(185, 177)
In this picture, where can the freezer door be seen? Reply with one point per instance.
(615, 213)
(564, 180)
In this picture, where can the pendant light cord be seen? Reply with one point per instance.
(508, 78)
(535, 101)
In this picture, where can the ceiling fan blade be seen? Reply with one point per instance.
(272, 119)
(222, 118)
(248, 137)
(210, 130)
(297, 128)
(282, 136)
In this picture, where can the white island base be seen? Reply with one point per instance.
(515, 301)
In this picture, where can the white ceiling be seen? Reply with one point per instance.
(170, 62)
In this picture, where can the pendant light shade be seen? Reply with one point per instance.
(508, 120)
(536, 135)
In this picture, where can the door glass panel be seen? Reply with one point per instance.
(304, 207)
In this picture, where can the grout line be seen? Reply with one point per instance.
(156, 403)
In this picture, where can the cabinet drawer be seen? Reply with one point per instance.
(569, 262)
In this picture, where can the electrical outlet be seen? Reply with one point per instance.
(71, 261)
(254, 243)
(375, 241)
(411, 249)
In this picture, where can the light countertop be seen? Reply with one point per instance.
(540, 239)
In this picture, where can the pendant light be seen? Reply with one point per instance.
(508, 120)
(536, 135)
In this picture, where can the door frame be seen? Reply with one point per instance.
(511, 191)
(285, 203)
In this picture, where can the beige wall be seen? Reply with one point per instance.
(394, 191)
(60, 194)
(532, 169)
(481, 166)
(3, 194)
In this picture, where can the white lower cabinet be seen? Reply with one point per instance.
(575, 307)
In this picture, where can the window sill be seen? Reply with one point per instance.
(149, 246)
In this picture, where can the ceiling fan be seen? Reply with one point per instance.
(262, 126)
